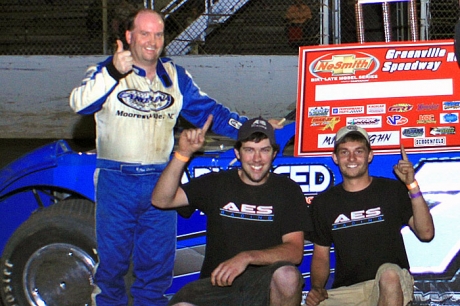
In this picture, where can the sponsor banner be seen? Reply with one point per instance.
(407, 91)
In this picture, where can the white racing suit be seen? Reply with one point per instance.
(134, 139)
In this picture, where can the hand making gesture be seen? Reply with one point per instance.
(421, 221)
(122, 59)
(404, 169)
(192, 140)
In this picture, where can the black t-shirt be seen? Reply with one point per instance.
(364, 227)
(241, 217)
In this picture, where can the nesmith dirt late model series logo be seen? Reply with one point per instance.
(337, 67)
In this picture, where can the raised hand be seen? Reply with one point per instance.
(404, 169)
(122, 59)
(192, 140)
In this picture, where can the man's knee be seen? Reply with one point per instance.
(393, 274)
(392, 278)
(287, 278)
(389, 279)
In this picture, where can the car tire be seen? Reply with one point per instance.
(50, 258)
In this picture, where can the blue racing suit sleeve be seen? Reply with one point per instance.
(97, 85)
(197, 106)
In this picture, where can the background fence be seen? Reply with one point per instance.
(257, 27)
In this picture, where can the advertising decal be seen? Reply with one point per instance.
(401, 93)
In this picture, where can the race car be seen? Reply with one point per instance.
(47, 236)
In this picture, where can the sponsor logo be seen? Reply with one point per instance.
(247, 212)
(318, 111)
(448, 117)
(145, 101)
(427, 107)
(430, 142)
(121, 113)
(259, 124)
(348, 110)
(234, 123)
(327, 122)
(444, 130)
(344, 65)
(377, 138)
(412, 132)
(450, 105)
(366, 122)
(312, 179)
(376, 108)
(400, 108)
(320, 121)
(357, 218)
(426, 119)
(397, 120)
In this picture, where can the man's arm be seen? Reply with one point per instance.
(421, 221)
(167, 192)
(100, 80)
(197, 105)
(319, 275)
(290, 250)
(89, 97)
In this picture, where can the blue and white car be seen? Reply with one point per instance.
(47, 221)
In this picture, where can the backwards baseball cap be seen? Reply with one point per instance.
(256, 125)
(350, 129)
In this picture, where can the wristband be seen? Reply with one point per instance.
(412, 185)
(181, 157)
(415, 195)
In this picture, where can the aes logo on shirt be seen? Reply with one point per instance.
(359, 217)
(247, 211)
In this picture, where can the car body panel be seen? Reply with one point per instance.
(55, 172)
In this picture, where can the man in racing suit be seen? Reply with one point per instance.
(136, 97)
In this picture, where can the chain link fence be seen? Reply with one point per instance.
(256, 27)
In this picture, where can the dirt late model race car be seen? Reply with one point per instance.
(47, 221)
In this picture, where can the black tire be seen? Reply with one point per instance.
(49, 260)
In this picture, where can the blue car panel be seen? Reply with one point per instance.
(54, 175)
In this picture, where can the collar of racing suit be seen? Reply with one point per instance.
(161, 72)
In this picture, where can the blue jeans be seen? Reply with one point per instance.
(129, 227)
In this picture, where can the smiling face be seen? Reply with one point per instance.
(353, 158)
(256, 160)
(146, 38)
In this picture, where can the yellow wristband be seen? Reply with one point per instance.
(412, 185)
(181, 157)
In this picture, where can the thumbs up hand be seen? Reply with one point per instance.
(122, 59)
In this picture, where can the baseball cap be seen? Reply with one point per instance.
(350, 129)
(256, 125)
